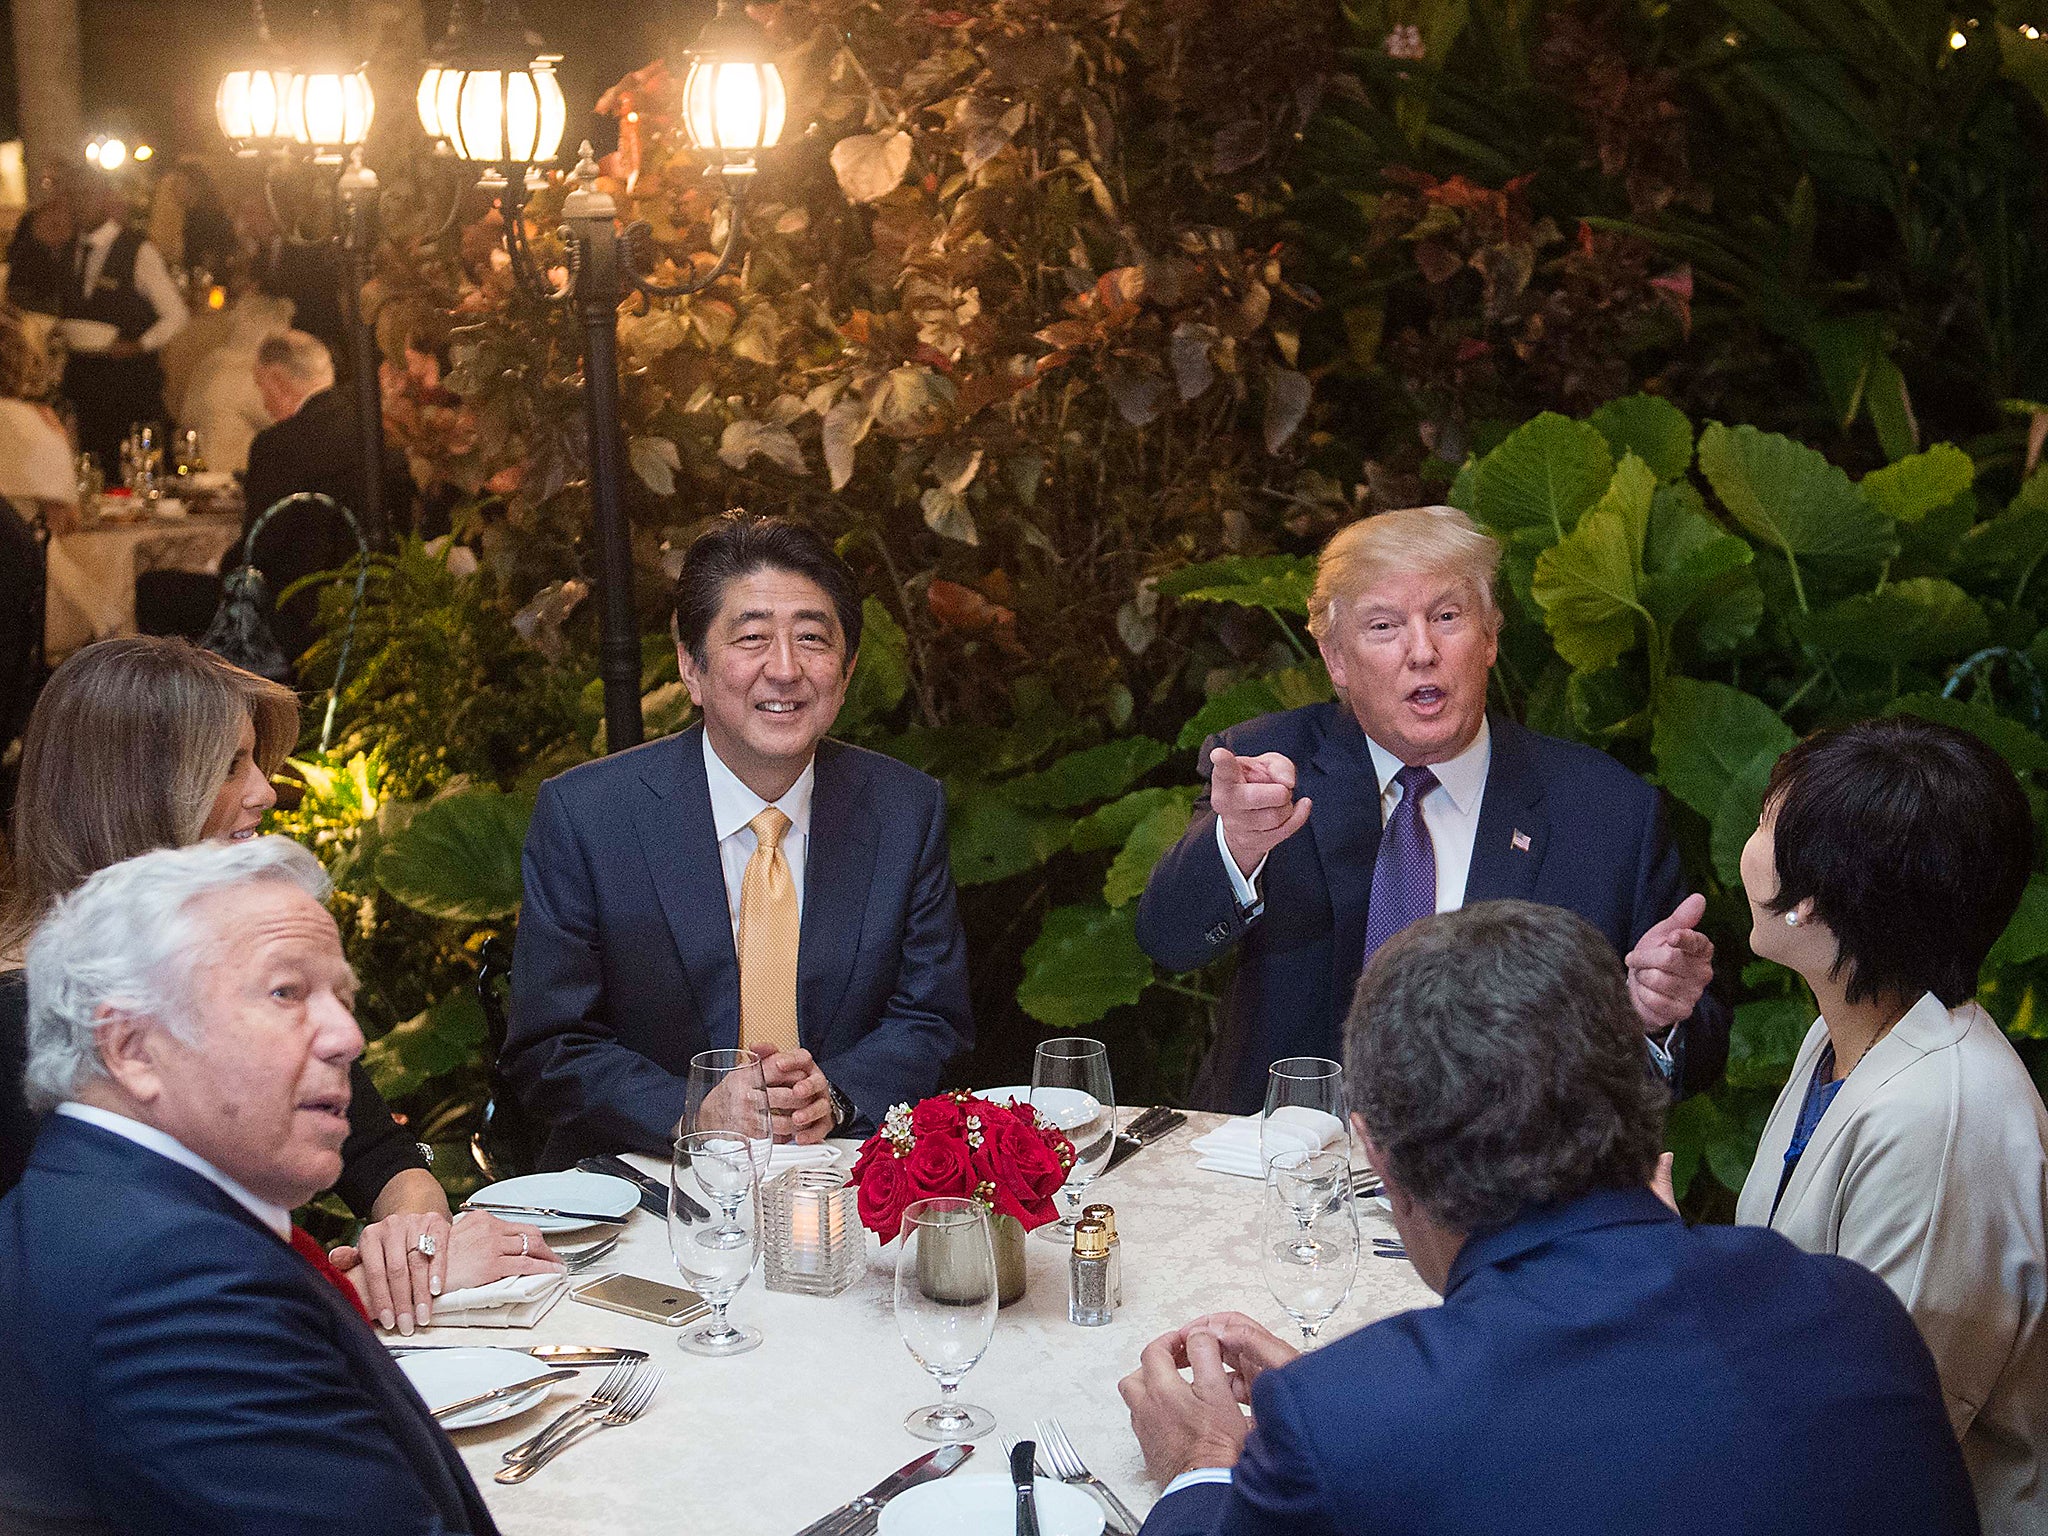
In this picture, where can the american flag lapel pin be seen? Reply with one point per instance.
(1520, 841)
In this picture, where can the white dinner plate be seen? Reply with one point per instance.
(570, 1190)
(444, 1376)
(987, 1506)
(1067, 1108)
(89, 335)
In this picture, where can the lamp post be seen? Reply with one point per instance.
(316, 105)
(504, 116)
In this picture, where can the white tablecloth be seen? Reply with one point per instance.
(92, 572)
(764, 1443)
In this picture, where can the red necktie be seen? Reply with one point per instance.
(305, 1247)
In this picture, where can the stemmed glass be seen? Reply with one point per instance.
(1062, 1069)
(946, 1299)
(726, 1094)
(1310, 1089)
(715, 1259)
(1310, 1262)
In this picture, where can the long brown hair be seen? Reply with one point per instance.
(126, 750)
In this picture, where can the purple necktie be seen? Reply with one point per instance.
(1404, 873)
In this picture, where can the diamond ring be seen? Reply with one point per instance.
(426, 1245)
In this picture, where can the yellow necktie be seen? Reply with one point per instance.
(768, 939)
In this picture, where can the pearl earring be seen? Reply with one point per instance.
(1791, 919)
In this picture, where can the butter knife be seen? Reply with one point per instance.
(499, 1394)
(1126, 1150)
(653, 1192)
(931, 1465)
(547, 1354)
(1024, 1477)
(595, 1218)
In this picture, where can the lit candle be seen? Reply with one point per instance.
(806, 1232)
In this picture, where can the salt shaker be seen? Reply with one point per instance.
(1106, 1214)
(1088, 1298)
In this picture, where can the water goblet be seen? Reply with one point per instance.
(1309, 1267)
(1305, 1182)
(1307, 1095)
(1071, 1088)
(726, 1093)
(946, 1297)
(715, 1259)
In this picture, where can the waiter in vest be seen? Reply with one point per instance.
(119, 278)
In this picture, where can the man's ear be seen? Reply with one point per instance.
(693, 680)
(851, 662)
(1396, 1196)
(130, 1047)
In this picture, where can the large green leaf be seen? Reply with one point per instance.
(1082, 778)
(1737, 812)
(2019, 746)
(1651, 428)
(1147, 845)
(2017, 538)
(459, 857)
(446, 1036)
(1910, 489)
(1084, 962)
(1112, 826)
(1543, 477)
(1588, 583)
(1791, 498)
(1764, 1040)
(1698, 572)
(993, 838)
(881, 674)
(1924, 619)
(1280, 582)
(1707, 733)
(2026, 937)
(1287, 689)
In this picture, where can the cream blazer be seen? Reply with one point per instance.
(1930, 1168)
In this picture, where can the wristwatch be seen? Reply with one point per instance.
(843, 1112)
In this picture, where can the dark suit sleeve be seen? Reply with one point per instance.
(264, 485)
(928, 1020)
(378, 1147)
(1700, 1043)
(1273, 1491)
(565, 1063)
(1189, 916)
(213, 1407)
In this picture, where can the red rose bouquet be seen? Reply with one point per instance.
(1003, 1155)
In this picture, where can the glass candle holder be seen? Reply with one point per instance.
(813, 1232)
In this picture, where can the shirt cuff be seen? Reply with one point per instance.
(1195, 1478)
(1244, 887)
(1664, 1053)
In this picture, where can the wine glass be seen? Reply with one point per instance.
(1070, 1088)
(1310, 1264)
(726, 1094)
(1306, 1094)
(946, 1299)
(715, 1259)
(1305, 1182)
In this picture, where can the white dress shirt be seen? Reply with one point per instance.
(733, 805)
(275, 1217)
(35, 458)
(152, 281)
(1450, 812)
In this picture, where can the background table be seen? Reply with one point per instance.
(764, 1443)
(93, 571)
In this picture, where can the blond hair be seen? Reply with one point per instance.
(1413, 540)
(126, 751)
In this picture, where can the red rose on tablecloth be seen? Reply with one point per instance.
(939, 1116)
(1023, 1164)
(884, 1188)
(939, 1165)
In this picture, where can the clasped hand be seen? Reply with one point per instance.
(799, 1101)
(1183, 1424)
(398, 1283)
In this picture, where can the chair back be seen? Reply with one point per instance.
(24, 582)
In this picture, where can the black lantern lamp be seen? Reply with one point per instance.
(491, 96)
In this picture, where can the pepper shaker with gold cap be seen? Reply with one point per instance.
(1106, 1214)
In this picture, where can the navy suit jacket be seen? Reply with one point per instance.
(171, 1366)
(1597, 844)
(1598, 1369)
(625, 966)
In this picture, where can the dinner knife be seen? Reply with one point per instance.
(933, 1464)
(1024, 1476)
(1126, 1150)
(549, 1354)
(499, 1394)
(653, 1193)
(595, 1218)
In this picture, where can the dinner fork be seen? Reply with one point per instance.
(600, 1401)
(583, 1258)
(631, 1404)
(1068, 1467)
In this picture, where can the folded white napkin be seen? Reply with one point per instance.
(787, 1155)
(517, 1301)
(1234, 1146)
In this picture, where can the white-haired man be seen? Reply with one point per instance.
(1417, 802)
(174, 1361)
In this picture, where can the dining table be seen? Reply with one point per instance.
(92, 570)
(764, 1443)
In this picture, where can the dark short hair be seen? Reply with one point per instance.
(1913, 841)
(739, 544)
(1499, 1065)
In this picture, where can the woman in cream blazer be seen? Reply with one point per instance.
(1890, 856)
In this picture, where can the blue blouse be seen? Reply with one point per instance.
(1820, 1093)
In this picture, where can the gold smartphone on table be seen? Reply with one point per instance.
(650, 1300)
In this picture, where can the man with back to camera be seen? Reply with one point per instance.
(1416, 801)
(178, 1359)
(746, 883)
(1597, 1367)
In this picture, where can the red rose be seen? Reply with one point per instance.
(1024, 1165)
(938, 1165)
(938, 1117)
(884, 1190)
